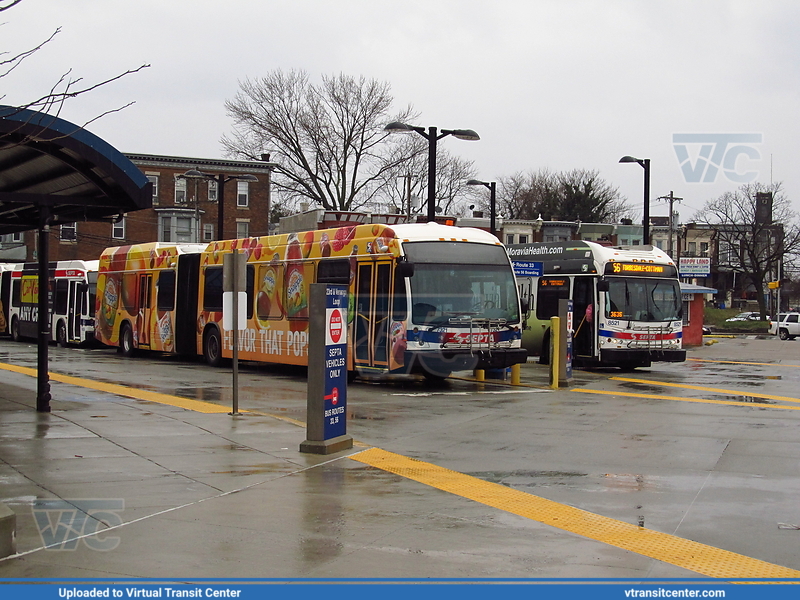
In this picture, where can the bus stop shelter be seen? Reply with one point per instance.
(54, 172)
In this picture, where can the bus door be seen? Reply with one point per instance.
(74, 306)
(143, 319)
(371, 344)
(584, 317)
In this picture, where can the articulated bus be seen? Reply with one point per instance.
(71, 299)
(424, 298)
(626, 301)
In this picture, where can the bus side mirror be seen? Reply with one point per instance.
(603, 285)
(405, 269)
(524, 304)
(83, 286)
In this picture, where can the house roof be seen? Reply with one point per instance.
(49, 164)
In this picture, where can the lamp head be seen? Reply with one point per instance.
(465, 134)
(629, 159)
(195, 174)
(245, 177)
(398, 127)
(476, 182)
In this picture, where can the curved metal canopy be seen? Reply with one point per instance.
(49, 166)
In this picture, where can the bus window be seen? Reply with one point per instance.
(551, 290)
(212, 292)
(399, 304)
(251, 281)
(334, 271)
(166, 290)
(62, 292)
(15, 293)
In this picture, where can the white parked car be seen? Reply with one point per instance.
(746, 316)
(786, 326)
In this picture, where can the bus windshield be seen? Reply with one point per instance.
(647, 300)
(460, 280)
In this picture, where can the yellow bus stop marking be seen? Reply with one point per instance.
(688, 554)
(741, 362)
(683, 399)
(129, 392)
(709, 389)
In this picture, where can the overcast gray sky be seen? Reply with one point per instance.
(556, 84)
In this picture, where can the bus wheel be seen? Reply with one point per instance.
(61, 334)
(15, 330)
(544, 354)
(126, 341)
(212, 347)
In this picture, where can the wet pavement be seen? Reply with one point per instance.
(181, 494)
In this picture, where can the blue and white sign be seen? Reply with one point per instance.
(527, 268)
(336, 297)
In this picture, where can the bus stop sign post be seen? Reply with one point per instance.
(561, 346)
(234, 309)
(326, 415)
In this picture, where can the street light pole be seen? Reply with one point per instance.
(492, 202)
(645, 164)
(433, 136)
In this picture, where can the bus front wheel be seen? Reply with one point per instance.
(61, 334)
(212, 348)
(126, 347)
(15, 330)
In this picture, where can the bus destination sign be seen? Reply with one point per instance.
(640, 268)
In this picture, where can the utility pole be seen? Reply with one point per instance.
(671, 199)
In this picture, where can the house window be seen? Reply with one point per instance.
(692, 248)
(242, 193)
(636, 242)
(208, 232)
(154, 180)
(180, 191)
(118, 230)
(523, 239)
(212, 191)
(69, 232)
(703, 248)
(176, 228)
(509, 238)
(242, 229)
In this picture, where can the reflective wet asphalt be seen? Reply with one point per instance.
(460, 479)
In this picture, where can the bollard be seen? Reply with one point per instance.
(480, 375)
(516, 371)
(555, 354)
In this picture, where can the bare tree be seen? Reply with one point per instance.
(750, 241)
(66, 86)
(328, 139)
(568, 196)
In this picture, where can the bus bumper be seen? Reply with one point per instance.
(640, 357)
(444, 362)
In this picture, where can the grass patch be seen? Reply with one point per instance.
(715, 319)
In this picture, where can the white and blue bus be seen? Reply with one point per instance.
(627, 301)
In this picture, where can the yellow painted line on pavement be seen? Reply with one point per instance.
(741, 362)
(681, 399)
(688, 554)
(708, 389)
(129, 392)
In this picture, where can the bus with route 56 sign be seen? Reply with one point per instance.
(627, 301)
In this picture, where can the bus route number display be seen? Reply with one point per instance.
(336, 299)
(625, 268)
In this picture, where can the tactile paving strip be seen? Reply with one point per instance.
(671, 549)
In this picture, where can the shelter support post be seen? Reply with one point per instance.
(43, 316)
